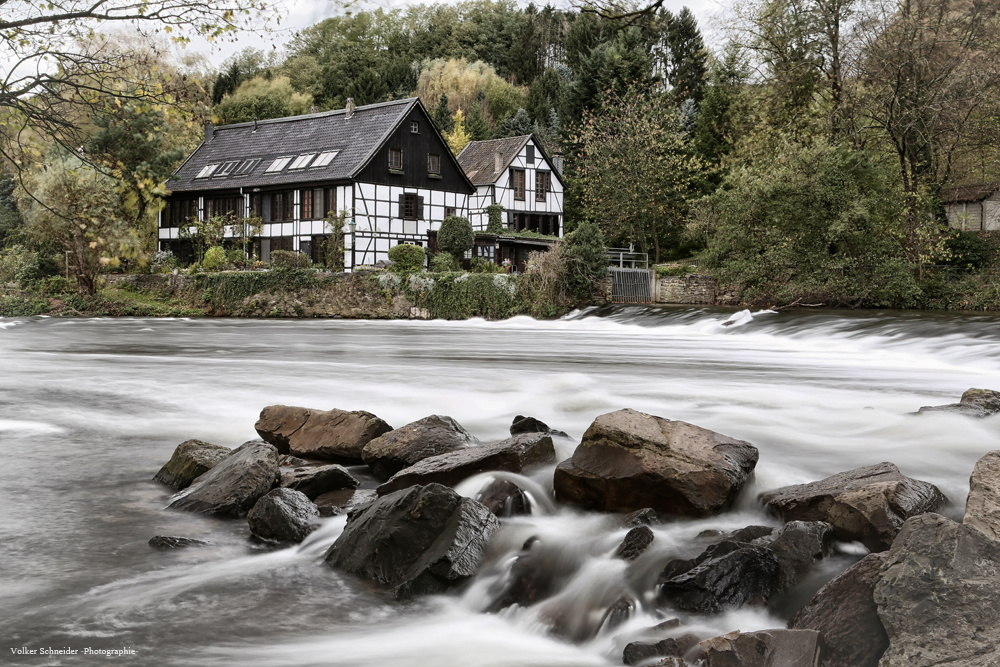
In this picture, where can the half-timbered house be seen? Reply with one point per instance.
(385, 167)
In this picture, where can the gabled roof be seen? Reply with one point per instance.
(478, 158)
(969, 193)
(356, 139)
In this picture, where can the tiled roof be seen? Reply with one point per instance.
(356, 139)
(969, 193)
(479, 161)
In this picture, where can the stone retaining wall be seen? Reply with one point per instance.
(693, 288)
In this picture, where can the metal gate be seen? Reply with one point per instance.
(630, 285)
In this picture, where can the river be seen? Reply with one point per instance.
(91, 408)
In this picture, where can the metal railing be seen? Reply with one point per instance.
(624, 257)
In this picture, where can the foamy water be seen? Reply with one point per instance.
(90, 409)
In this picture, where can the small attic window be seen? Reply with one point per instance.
(414, 127)
(302, 161)
(246, 167)
(226, 169)
(278, 164)
(207, 171)
(531, 154)
(325, 158)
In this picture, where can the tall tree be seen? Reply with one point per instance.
(687, 59)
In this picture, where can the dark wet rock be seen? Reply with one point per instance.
(331, 435)
(510, 455)
(283, 515)
(314, 481)
(764, 648)
(334, 503)
(937, 596)
(629, 460)
(638, 653)
(289, 461)
(619, 612)
(389, 453)
(982, 508)
(798, 546)
(165, 542)
(868, 504)
(522, 424)
(235, 484)
(643, 517)
(504, 498)
(538, 572)
(636, 541)
(844, 613)
(424, 539)
(749, 533)
(190, 460)
(726, 575)
(974, 403)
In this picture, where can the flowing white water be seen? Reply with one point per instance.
(89, 410)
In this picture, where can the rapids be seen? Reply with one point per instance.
(91, 408)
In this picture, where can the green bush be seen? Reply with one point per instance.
(585, 258)
(237, 258)
(56, 285)
(495, 224)
(444, 263)
(286, 259)
(970, 250)
(480, 265)
(407, 258)
(215, 259)
(455, 236)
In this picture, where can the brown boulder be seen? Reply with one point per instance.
(868, 504)
(332, 435)
(629, 460)
(391, 452)
(235, 484)
(982, 509)
(314, 481)
(190, 460)
(511, 455)
(764, 648)
(844, 613)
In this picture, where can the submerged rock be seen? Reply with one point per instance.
(510, 455)
(636, 541)
(332, 435)
(982, 508)
(844, 613)
(283, 515)
(389, 453)
(629, 460)
(424, 539)
(190, 460)
(764, 648)
(637, 653)
(522, 424)
(643, 517)
(868, 504)
(235, 484)
(974, 403)
(165, 542)
(316, 480)
(504, 498)
(937, 596)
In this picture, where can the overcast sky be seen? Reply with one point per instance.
(298, 14)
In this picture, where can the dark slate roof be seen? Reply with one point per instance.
(969, 193)
(357, 139)
(477, 158)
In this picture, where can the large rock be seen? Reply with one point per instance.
(235, 484)
(332, 435)
(844, 613)
(314, 481)
(629, 460)
(938, 596)
(389, 453)
(764, 648)
(726, 575)
(798, 546)
(283, 515)
(982, 509)
(868, 504)
(424, 539)
(974, 403)
(190, 460)
(511, 455)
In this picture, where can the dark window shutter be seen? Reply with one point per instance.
(402, 206)
(420, 208)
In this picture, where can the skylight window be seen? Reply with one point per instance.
(226, 169)
(302, 161)
(325, 158)
(246, 167)
(279, 164)
(207, 171)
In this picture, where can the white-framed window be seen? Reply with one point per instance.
(246, 167)
(226, 169)
(302, 161)
(278, 164)
(207, 171)
(324, 158)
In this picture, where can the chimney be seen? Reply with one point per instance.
(255, 123)
(349, 108)
(497, 164)
(209, 131)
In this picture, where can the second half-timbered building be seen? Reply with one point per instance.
(385, 167)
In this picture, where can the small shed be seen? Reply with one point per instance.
(973, 208)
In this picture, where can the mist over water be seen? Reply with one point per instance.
(91, 408)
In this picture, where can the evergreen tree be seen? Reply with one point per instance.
(10, 214)
(476, 125)
(518, 124)
(714, 127)
(687, 59)
(442, 116)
